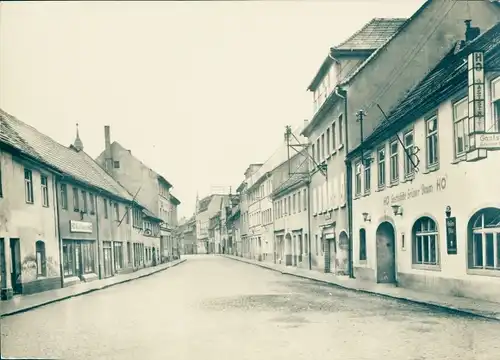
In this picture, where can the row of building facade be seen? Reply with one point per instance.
(66, 218)
(394, 178)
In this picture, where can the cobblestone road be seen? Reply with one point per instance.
(214, 308)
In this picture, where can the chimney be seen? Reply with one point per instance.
(108, 157)
(471, 32)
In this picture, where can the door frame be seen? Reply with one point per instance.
(386, 270)
(16, 268)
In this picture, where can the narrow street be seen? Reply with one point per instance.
(211, 307)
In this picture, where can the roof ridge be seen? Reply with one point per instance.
(364, 27)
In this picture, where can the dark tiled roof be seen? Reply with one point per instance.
(174, 200)
(203, 203)
(448, 77)
(373, 35)
(293, 180)
(77, 165)
(10, 137)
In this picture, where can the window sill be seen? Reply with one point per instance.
(343, 205)
(340, 147)
(315, 214)
(408, 178)
(484, 272)
(45, 206)
(336, 207)
(426, 267)
(459, 159)
(357, 196)
(380, 188)
(30, 202)
(367, 193)
(363, 262)
(431, 169)
(393, 184)
(334, 152)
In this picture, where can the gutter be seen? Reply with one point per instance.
(348, 183)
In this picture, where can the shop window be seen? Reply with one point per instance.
(118, 254)
(484, 239)
(88, 257)
(41, 265)
(68, 259)
(425, 242)
(362, 244)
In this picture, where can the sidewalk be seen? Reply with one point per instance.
(24, 303)
(485, 309)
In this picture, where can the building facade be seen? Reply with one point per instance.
(206, 211)
(187, 235)
(149, 189)
(29, 250)
(416, 224)
(366, 72)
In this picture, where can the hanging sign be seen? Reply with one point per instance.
(451, 235)
(476, 120)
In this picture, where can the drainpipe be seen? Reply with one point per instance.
(98, 238)
(348, 181)
(58, 219)
(309, 220)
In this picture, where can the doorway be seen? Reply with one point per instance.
(15, 273)
(386, 253)
(108, 260)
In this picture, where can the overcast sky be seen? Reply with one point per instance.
(196, 90)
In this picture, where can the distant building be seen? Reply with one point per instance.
(187, 236)
(207, 209)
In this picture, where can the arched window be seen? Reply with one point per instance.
(425, 242)
(484, 239)
(362, 244)
(41, 266)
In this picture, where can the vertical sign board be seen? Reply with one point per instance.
(451, 235)
(475, 66)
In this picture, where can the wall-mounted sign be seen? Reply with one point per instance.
(80, 226)
(489, 141)
(475, 66)
(414, 192)
(451, 235)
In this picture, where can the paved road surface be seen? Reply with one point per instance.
(214, 308)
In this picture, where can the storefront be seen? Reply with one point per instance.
(107, 252)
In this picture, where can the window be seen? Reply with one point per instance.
(129, 252)
(299, 198)
(92, 203)
(313, 152)
(323, 147)
(460, 115)
(484, 239)
(127, 214)
(1, 188)
(425, 242)
(362, 244)
(294, 203)
(105, 203)
(328, 149)
(318, 151)
(368, 176)
(305, 200)
(289, 205)
(495, 99)
(341, 135)
(88, 257)
(334, 137)
(45, 190)
(394, 161)
(117, 211)
(285, 206)
(381, 167)
(41, 264)
(408, 155)
(118, 255)
(116, 164)
(28, 186)
(431, 142)
(76, 200)
(85, 203)
(64, 196)
(68, 258)
(357, 185)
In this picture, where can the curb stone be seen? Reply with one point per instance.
(438, 306)
(52, 301)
